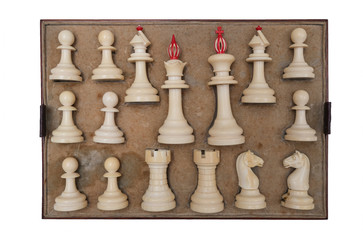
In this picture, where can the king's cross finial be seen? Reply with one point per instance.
(259, 28)
(219, 31)
(173, 49)
(220, 44)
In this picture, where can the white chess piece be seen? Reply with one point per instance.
(65, 70)
(70, 199)
(107, 70)
(141, 90)
(297, 196)
(258, 91)
(250, 196)
(298, 68)
(109, 132)
(112, 198)
(67, 132)
(175, 129)
(300, 130)
(225, 130)
(206, 198)
(158, 197)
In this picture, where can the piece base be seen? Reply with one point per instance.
(176, 139)
(142, 98)
(63, 204)
(207, 208)
(258, 99)
(298, 74)
(158, 206)
(105, 140)
(226, 141)
(251, 201)
(299, 200)
(112, 206)
(59, 139)
(299, 138)
(74, 78)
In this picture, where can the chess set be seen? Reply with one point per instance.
(185, 119)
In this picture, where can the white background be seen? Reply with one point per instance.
(20, 168)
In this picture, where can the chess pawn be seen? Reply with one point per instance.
(298, 68)
(109, 132)
(158, 197)
(175, 129)
(67, 132)
(70, 199)
(112, 198)
(225, 130)
(300, 130)
(65, 70)
(206, 198)
(107, 70)
(141, 90)
(297, 196)
(258, 91)
(250, 196)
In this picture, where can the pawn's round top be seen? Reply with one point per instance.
(298, 35)
(66, 37)
(301, 97)
(110, 99)
(106, 38)
(67, 98)
(112, 164)
(70, 164)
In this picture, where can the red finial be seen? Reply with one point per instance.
(259, 28)
(173, 49)
(139, 28)
(220, 44)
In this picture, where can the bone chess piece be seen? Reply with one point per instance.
(250, 196)
(107, 70)
(206, 198)
(258, 91)
(112, 198)
(141, 90)
(158, 197)
(297, 196)
(225, 130)
(300, 130)
(67, 132)
(70, 199)
(298, 68)
(109, 132)
(65, 70)
(175, 129)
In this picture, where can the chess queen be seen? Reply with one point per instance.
(175, 129)
(225, 130)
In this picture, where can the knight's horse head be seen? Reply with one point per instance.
(252, 160)
(296, 160)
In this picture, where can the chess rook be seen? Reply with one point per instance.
(258, 91)
(175, 129)
(250, 196)
(65, 70)
(300, 130)
(206, 198)
(158, 197)
(67, 132)
(141, 90)
(112, 199)
(107, 70)
(70, 199)
(225, 130)
(109, 133)
(298, 68)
